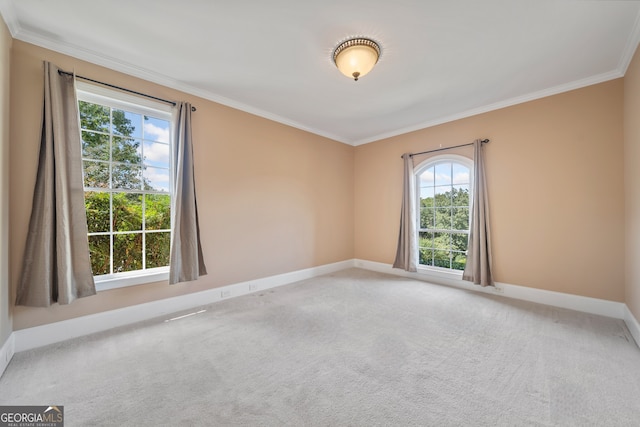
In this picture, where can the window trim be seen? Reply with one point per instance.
(123, 280)
(445, 273)
(116, 99)
(135, 104)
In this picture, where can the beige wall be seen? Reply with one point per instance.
(632, 183)
(555, 182)
(5, 305)
(275, 199)
(272, 199)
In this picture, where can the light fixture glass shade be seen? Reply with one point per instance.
(356, 57)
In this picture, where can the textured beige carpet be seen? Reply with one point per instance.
(354, 348)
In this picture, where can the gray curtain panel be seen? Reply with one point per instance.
(478, 268)
(187, 261)
(56, 265)
(407, 251)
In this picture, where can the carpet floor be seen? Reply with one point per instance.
(353, 348)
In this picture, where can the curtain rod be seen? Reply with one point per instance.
(484, 141)
(166, 101)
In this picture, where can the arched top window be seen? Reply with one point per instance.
(444, 187)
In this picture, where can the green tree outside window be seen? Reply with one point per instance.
(128, 207)
(444, 215)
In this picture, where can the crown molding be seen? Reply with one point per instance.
(8, 13)
(577, 84)
(630, 47)
(158, 78)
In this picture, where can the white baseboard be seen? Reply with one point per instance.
(38, 336)
(555, 299)
(632, 324)
(6, 353)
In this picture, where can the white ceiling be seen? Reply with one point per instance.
(441, 60)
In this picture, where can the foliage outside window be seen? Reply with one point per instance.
(126, 167)
(443, 227)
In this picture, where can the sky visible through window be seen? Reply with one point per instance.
(443, 175)
(156, 136)
(126, 168)
(444, 214)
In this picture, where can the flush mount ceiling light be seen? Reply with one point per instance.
(356, 57)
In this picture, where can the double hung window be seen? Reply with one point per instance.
(126, 153)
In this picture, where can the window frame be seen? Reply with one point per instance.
(116, 99)
(418, 170)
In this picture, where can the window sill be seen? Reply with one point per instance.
(123, 280)
(442, 273)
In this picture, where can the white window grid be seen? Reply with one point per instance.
(433, 162)
(115, 100)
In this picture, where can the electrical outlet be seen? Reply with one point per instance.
(498, 290)
(225, 294)
(253, 287)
